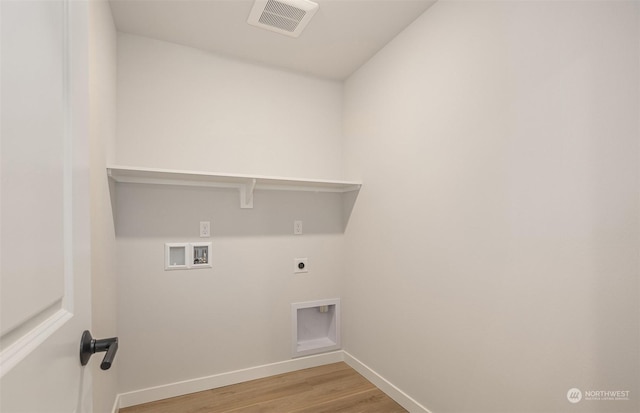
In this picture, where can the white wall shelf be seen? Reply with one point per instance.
(246, 184)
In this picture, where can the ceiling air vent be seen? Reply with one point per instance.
(288, 17)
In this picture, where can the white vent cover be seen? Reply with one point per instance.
(288, 17)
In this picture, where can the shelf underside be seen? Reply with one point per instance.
(193, 178)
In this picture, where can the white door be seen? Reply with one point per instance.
(44, 210)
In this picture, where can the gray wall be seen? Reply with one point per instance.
(186, 109)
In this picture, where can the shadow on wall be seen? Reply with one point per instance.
(144, 210)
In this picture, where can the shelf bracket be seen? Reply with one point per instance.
(246, 194)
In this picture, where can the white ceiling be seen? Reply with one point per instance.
(342, 35)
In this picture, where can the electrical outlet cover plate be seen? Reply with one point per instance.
(205, 229)
(300, 265)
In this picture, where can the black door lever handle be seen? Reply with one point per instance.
(89, 346)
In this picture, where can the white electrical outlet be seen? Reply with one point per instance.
(300, 265)
(297, 227)
(205, 229)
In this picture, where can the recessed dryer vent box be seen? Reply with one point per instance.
(316, 327)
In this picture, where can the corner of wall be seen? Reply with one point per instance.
(102, 83)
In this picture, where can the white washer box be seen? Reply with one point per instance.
(315, 326)
(187, 255)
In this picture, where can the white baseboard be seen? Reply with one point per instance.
(238, 376)
(225, 379)
(402, 398)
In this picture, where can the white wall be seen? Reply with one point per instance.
(495, 239)
(185, 109)
(102, 115)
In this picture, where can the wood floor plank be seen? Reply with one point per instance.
(326, 387)
(370, 401)
(330, 388)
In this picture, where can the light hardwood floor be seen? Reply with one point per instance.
(331, 388)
